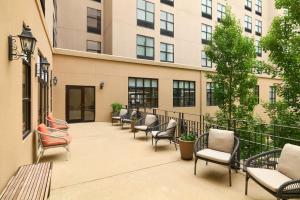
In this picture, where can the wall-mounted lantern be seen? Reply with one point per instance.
(54, 80)
(101, 85)
(27, 41)
(44, 68)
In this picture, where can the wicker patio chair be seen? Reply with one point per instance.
(128, 117)
(118, 117)
(57, 123)
(50, 138)
(277, 171)
(217, 146)
(165, 131)
(145, 124)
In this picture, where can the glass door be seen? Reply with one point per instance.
(80, 104)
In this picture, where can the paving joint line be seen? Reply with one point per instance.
(115, 175)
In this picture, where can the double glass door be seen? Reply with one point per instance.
(80, 103)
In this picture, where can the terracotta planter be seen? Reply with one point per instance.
(186, 149)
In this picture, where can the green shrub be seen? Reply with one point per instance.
(188, 137)
(116, 107)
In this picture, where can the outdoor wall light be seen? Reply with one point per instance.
(27, 41)
(101, 85)
(54, 80)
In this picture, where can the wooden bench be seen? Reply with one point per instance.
(30, 182)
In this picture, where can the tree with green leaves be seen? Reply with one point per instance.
(235, 58)
(283, 43)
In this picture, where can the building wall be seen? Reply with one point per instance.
(72, 24)
(15, 151)
(121, 29)
(87, 69)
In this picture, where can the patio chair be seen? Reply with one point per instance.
(277, 171)
(117, 118)
(145, 124)
(57, 123)
(165, 131)
(128, 117)
(217, 146)
(50, 138)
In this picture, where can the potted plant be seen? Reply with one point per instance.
(186, 144)
(116, 107)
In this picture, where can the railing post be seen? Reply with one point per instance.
(154, 111)
(237, 164)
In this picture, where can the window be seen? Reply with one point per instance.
(248, 5)
(93, 46)
(43, 6)
(183, 93)
(43, 91)
(272, 94)
(207, 9)
(93, 21)
(142, 92)
(145, 47)
(51, 91)
(26, 98)
(168, 2)
(205, 61)
(248, 24)
(206, 33)
(257, 93)
(258, 49)
(220, 12)
(210, 101)
(258, 7)
(258, 27)
(145, 14)
(166, 52)
(166, 23)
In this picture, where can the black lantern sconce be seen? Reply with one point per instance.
(44, 68)
(101, 85)
(27, 41)
(54, 80)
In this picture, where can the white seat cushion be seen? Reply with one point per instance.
(289, 161)
(150, 119)
(221, 140)
(172, 123)
(123, 112)
(116, 117)
(161, 134)
(142, 128)
(269, 178)
(211, 154)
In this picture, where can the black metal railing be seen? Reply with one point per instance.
(255, 137)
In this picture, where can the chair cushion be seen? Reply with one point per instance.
(56, 141)
(269, 178)
(62, 126)
(43, 129)
(123, 112)
(126, 120)
(150, 119)
(142, 128)
(116, 117)
(211, 154)
(51, 121)
(161, 134)
(221, 140)
(172, 123)
(289, 161)
(133, 113)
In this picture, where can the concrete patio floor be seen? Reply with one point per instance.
(107, 163)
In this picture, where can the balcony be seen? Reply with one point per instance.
(107, 163)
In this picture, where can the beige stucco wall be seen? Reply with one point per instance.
(72, 24)
(86, 69)
(14, 151)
